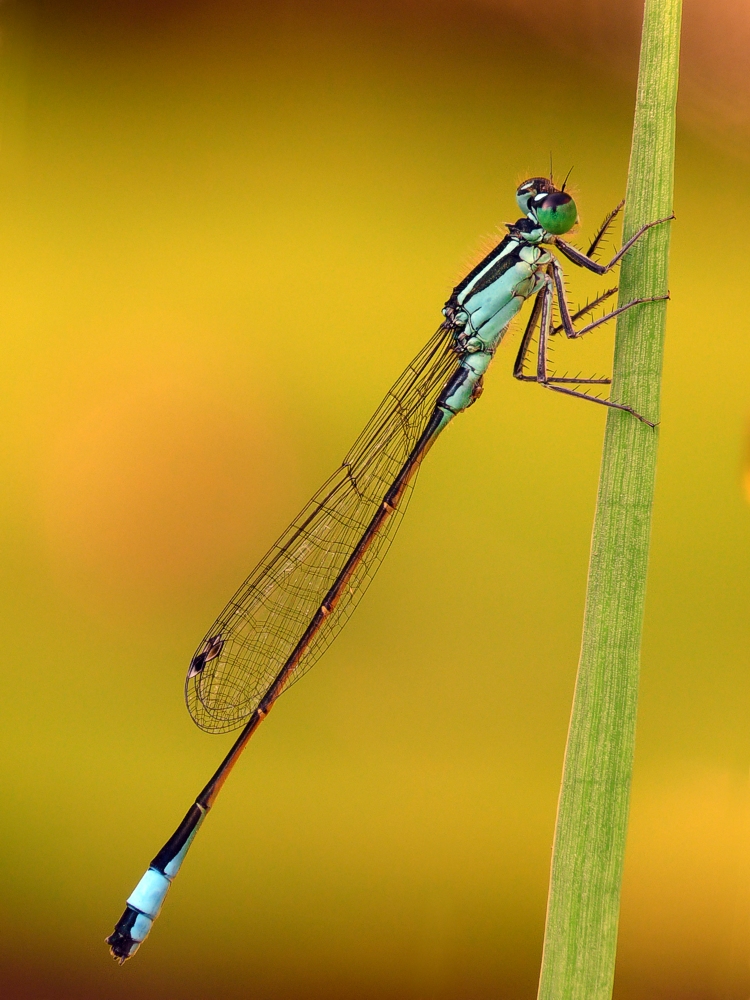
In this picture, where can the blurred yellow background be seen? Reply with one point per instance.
(226, 228)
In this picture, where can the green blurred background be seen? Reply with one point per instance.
(226, 228)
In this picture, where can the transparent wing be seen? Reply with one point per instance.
(252, 639)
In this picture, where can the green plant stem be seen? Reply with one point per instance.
(584, 900)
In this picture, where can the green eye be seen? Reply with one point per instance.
(557, 213)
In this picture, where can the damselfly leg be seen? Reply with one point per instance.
(602, 231)
(566, 318)
(541, 314)
(542, 362)
(576, 256)
(585, 310)
(525, 346)
(524, 349)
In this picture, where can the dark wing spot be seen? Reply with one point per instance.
(209, 651)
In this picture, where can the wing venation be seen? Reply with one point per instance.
(252, 638)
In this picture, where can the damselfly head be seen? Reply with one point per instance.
(542, 202)
(210, 649)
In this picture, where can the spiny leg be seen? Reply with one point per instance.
(589, 307)
(579, 258)
(546, 381)
(523, 350)
(579, 381)
(525, 347)
(603, 229)
(603, 402)
(541, 359)
(567, 319)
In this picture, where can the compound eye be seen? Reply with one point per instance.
(557, 213)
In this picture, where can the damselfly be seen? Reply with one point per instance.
(302, 592)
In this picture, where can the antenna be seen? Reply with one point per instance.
(566, 178)
(550, 168)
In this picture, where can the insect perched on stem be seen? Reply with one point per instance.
(302, 592)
